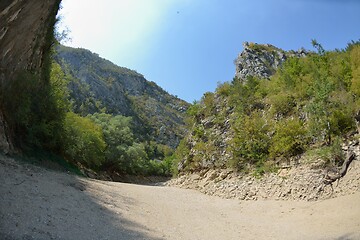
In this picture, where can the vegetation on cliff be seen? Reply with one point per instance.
(305, 109)
(115, 120)
(28, 113)
(97, 85)
(95, 115)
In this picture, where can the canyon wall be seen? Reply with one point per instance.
(26, 30)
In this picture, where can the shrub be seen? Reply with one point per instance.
(224, 89)
(331, 155)
(193, 111)
(33, 109)
(161, 168)
(282, 104)
(251, 142)
(181, 156)
(208, 103)
(83, 141)
(355, 67)
(289, 139)
(136, 160)
(243, 96)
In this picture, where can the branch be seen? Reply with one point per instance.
(329, 179)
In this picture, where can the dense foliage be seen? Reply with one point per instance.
(34, 107)
(56, 112)
(306, 107)
(44, 119)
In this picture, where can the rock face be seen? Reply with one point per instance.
(5, 143)
(99, 85)
(25, 29)
(262, 60)
(299, 183)
(213, 149)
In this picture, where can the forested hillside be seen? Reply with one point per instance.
(114, 120)
(303, 112)
(97, 85)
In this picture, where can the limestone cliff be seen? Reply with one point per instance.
(25, 39)
(262, 60)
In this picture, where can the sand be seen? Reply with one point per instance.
(37, 203)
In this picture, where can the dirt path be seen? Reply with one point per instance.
(41, 204)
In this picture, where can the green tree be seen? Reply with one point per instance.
(119, 138)
(251, 141)
(59, 88)
(36, 108)
(355, 68)
(289, 139)
(83, 141)
(321, 88)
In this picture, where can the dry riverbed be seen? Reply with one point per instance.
(36, 203)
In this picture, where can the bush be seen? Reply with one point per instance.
(331, 155)
(208, 103)
(289, 139)
(310, 101)
(244, 96)
(181, 156)
(136, 160)
(282, 104)
(161, 168)
(355, 67)
(83, 141)
(32, 109)
(251, 142)
(341, 121)
(224, 89)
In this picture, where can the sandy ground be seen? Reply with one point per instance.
(40, 204)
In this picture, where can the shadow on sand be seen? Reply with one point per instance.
(40, 204)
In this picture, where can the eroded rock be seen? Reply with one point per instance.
(25, 40)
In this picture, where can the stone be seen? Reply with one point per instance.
(262, 60)
(34, 20)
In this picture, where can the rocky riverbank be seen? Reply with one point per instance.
(302, 182)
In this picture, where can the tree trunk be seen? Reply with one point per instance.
(329, 179)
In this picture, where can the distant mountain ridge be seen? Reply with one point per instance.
(99, 85)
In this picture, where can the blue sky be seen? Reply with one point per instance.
(188, 46)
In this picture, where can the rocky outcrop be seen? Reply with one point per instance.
(306, 180)
(99, 85)
(302, 182)
(25, 39)
(209, 139)
(262, 60)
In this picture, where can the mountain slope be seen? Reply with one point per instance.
(98, 85)
(276, 113)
